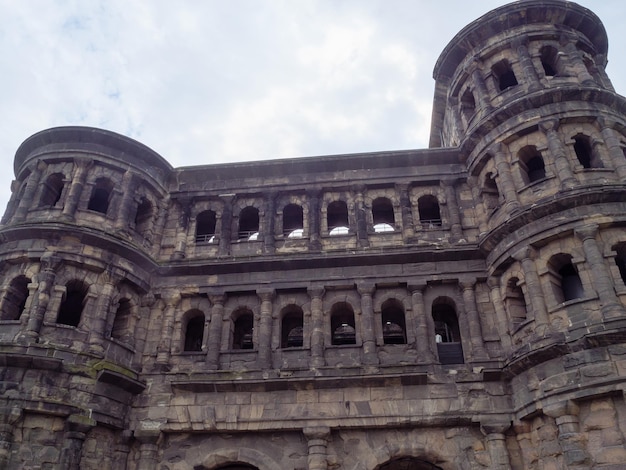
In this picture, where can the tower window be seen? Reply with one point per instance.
(249, 223)
(122, 330)
(447, 336)
(243, 330)
(205, 227)
(292, 328)
(565, 279)
(337, 218)
(515, 302)
(100, 196)
(549, 56)
(342, 324)
(52, 188)
(504, 75)
(468, 105)
(428, 208)
(585, 153)
(15, 298)
(72, 306)
(293, 221)
(143, 216)
(620, 260)
(393, 323)
(194, 331)
(531, 161)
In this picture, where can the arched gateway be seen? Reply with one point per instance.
(407, 463)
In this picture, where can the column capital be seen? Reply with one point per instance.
(467, 284)
(316, 292)
(217, 299)
(605, 123)
(366, 288)
(266, 295)
(317, 432)
(79, 423)
(494, 427)
(496, 148)
(493, 282)
(416, 287)
(587, 231)
(549, 125)
(562, 408)
(528, 252)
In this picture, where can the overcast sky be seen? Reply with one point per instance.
(212, 81)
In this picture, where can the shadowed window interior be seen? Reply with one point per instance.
(243, 330)
(249, 223)
(205, 227)
(194, 331)
(393, 322)
(447, 334)
(143, 217)
(15, 298)
(73, 302)
(564, 278)
(532, 164)
(337, 218)
(342, 324)
(293, 221)
(292, 327)
(428, 208)
(100, 196)
(52, 189)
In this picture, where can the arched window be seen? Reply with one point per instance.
(205, 227)
(291, 331)
(337, 218)
(15, 298)
(72, 305)
(194, 331)
(342, 324)
(293, 221)
(587, 157)
(428, 208)
(122, 324)
(100, 196)
(383, 215)
(52, 189)
(564, 277)
(393, 322)
(447, 335)
(143, 217)
(620, 260)
(249, 223)
(243, 329)
(515, 302)
(237, 466)
(549, 57)
(531, 162)
(490, 193)
(407, 463)
(468, 105)
(504, 75)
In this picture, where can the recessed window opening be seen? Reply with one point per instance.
(428, 208)
(504, 75)
(342, 324)
(585, 154)
(532, 164)
(121, 323)
(293, 221)
(468, 105)
(205, 227)
(243, 330)
(237, 466)
(566, 280)
(15, 298)
(382, 211)
(292, 328)
(337, 218)
(408, 463)
(143, 216)
(72, 306)
(393, 322)
(620, 260)
(52, 188)
(447, 334)
(249, 223)
(515, 301)
(549, 56)
(100, 196)
(194, 331)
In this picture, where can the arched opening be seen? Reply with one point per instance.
(585, 153)
(122, 323)
(428, 208)
(393, 322)
(490, 192)
(143, 217)
(342, 324)
(100, 196)
(52, 189)
(249, 223)
(15, 298)
(408, 463)
(515, 302)
(504, 74)
(383, 215)
(291, 328)
(337, 218)
(205, 227)
(564, 278)
(447, 334)
(194, 331)
(549, 57)
(72, 305)
(620, 259)
(293, 221)
(468, 105)
(531, 162)
(243, 329)
(235, 466)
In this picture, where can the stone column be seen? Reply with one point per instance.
(313, 198)
(612, 141)
(49, 264)
(507, 185)
(147, 302)
(100, 320)
(265, 330)
(502, 321)
(215, 331)
(127, 193)
(559, 153)
(227, 224)
(571, 440)
(13, 202)
(601, 277)
(577, 64)
(473, 320)
(164, 350)
(7, 430)
(79, 177)
(26, 202)
(425, 337)
(317, 330)
(121, 450)
(184, 207)
(496, 444)
(526, 62)
(317, 441)
(480, 87)
(408, 230)
(76, 429)
(524, 435)
(361, 218)
(148, 448)
(537, 300)
(367, 324)
(453, 210)
(269, 235)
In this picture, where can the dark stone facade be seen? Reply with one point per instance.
(458, 307)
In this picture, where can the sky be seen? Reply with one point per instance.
(217, 81)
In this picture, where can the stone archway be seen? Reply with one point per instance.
(233, 466)
(407, 463)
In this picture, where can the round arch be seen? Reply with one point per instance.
(407, 463)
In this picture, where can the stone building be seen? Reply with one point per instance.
(457, 307)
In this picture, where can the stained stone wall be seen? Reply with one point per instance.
(457, 307)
